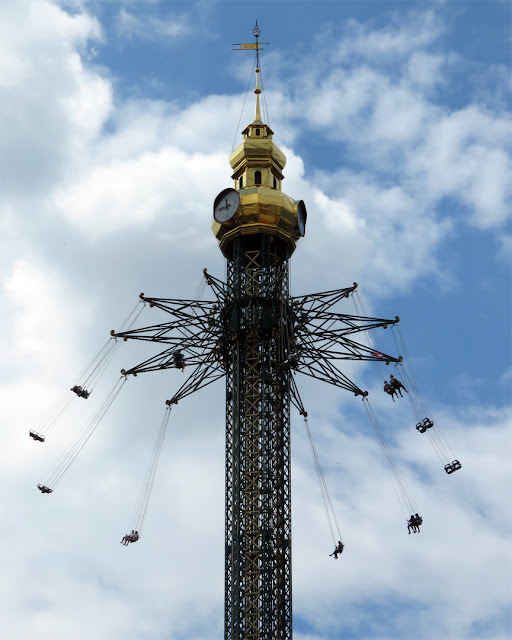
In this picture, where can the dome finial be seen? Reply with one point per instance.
(257, 91)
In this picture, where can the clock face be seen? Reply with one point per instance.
(302, 216)
(226, 205)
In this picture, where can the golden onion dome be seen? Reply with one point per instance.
(258, 165)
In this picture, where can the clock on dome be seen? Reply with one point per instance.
(302, 216)
(226, 205)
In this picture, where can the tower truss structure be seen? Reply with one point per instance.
(246, 334)
(257, 336)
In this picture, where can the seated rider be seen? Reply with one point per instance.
(292, 361)
(338, 550)
(396, 384)
(81, 393)
(388, 388)
(179, 360)
(414, 523)
(130, 537)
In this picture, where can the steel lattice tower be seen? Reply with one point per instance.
(258, 521)
(259, 337)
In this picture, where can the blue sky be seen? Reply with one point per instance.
(117, 122)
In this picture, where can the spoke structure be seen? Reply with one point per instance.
(247, 335)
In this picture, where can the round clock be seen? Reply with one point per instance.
(302, 216)
(226, 205)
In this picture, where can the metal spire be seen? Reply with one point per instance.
(257, 47)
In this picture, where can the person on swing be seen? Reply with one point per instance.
(397, 385)
(130, 537)
(338, 550)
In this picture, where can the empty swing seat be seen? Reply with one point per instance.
(452, 466)
(427, 423)
(36, 436)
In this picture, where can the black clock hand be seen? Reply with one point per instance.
(226, 207)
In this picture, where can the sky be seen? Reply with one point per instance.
(117, 121)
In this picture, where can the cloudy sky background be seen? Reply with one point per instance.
(116, 123)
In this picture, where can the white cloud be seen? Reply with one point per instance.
(381, 46)
(465, 156)
(396, 128)
(149, 27)
(426, 70)
(49, 101)
(361, 218)
(124, 193)
(32, 292)
(451, 506)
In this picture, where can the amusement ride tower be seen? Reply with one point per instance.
(259, 337)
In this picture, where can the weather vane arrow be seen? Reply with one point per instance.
(244, 46)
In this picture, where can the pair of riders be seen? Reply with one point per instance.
(414, 523)
(394, 386)
(130, 537)
(81, 393)
(44, 489)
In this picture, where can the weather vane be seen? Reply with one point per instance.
(252, 45)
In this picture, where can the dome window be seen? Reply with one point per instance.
(257, 177)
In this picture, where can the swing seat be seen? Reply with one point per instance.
(453, 466)
(44, 489)
(428, 423)
(36, 436)
(421, 427)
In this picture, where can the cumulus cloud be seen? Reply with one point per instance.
(395, 126)
(50, 102)
(125, 193)
(32, 291)
(450, 506)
